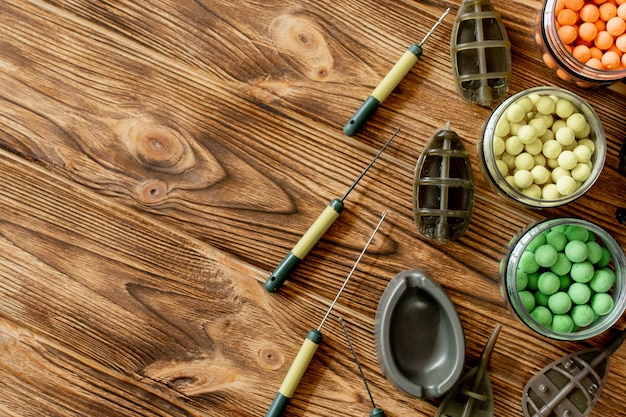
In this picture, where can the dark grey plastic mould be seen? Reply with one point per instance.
(420, 343)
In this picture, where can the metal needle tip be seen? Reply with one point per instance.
(370, 165)
(430, 32)
(345, 282)
(356, 360)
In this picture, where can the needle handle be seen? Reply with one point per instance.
(295, 373)
(388, 83)
(377, 412)
(382, 91)
(304, 245)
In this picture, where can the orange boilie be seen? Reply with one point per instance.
(611, 60)
(603, 40)
(607, 11)
(589, 13)
(567, 17)
(620, 43)
(568, 34)
(616, 26)
(575, 5)
(582, 53)
(587, 31)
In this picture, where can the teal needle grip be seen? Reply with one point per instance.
(363, 114)
(304, 245)
(295, 374)
(384, 88)
(377, 412)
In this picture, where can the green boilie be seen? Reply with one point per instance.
(564, 279)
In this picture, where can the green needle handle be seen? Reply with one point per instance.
(304, 245)
(295, 373)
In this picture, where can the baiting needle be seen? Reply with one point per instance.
(376, 411)
(315, 232)
(310, 345)
(388, 83)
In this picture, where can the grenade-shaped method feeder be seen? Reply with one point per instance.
(481, 53)
(443, 188)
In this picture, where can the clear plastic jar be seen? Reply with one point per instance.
(488, 158)
(556, 56)
(510, 266)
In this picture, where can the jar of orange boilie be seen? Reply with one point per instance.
(584, 42)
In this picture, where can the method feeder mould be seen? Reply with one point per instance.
(388, 83)
(481, 53)
(310, 345)
(315, 232)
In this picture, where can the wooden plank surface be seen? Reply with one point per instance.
(160, 158)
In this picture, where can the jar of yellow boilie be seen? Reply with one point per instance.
(542, 147)
(579, 43)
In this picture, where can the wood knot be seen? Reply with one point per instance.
(271, 358)
(267, 90)
(152, 191)
(195, 377)
(158, 148)
(155, 146)
(322, 72)
(303, 42)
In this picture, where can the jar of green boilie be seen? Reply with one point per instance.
(565, 278)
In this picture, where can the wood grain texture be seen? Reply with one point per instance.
(160, 158)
